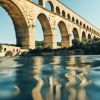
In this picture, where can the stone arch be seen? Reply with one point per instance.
(64, 34)
(75, 33)
(77, 22)
(47, 32)
(63, 13)
(51, 5)
(89, 36)
(68, 16)
(83, 36)
(87, 27)
(58, 10)
(73, 19)
(84, 26)
(80, 23)
(19, 22)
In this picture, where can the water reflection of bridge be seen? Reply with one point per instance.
(52, 79)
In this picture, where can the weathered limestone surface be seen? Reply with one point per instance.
(24, 14)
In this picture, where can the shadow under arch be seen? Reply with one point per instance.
(83, 36)
(19, 22)
(47, 32)
(75, 33)
(64, 34)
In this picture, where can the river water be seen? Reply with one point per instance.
(50, 78)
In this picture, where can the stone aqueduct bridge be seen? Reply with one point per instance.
(24, 14)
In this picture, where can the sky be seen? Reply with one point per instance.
(88, 9)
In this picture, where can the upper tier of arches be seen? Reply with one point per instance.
(55, 8)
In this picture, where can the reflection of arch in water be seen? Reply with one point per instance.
(24, 78)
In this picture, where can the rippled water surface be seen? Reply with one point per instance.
(50, 78)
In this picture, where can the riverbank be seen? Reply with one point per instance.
(53, 52)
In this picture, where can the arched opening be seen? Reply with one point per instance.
(63, 13)
(80, 23)
(39, 37)
(7, 28)
(49, 6)
(84, 26)
(77, 22)
(45, 35)
(58, 10)
(59, 38)
(64, 34)
(73, 19)
(39, 2)
(87, 27)
(68, 16)
(19, 22)
(89, 37)
(75, 33)
(83, 36)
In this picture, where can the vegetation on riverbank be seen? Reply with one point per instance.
(90, 47)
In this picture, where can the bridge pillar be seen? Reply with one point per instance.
(32, 37)
(54, 40)
(65, 43)
(50, 39)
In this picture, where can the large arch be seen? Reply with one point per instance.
(19, 21)
(83, 36)
(47, 32)
(64, 34)
(75, 33)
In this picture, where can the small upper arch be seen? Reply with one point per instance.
(84, 26)
(87, 27)
(63, 13)
(49, 5)
(58, 10)
(68, 16)
(77, 22)
(73, 19)
(80, 23)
